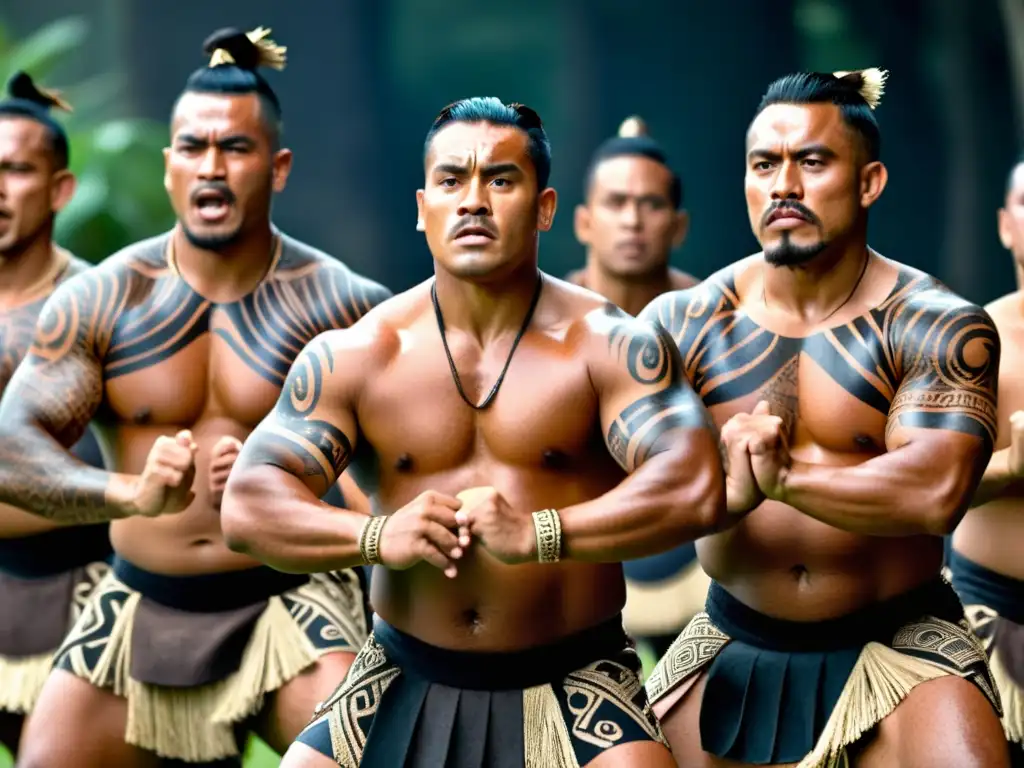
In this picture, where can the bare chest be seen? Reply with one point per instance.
(832, 389)
(17, 327)
(178, 359)
(544, 416)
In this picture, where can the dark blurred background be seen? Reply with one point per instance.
(366, 77)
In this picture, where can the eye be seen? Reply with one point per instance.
(762, 165)
(811, 162)
(501, 182)
(448, 182)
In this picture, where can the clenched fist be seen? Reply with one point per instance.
(423, 530)
(506, 533)
(165, 486)
(766, 444)
(221, 461)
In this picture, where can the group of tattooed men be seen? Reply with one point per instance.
(178, 568)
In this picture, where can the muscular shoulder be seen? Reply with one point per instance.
(686, 313)
(932, 329)
(375, 339)
(341, 289)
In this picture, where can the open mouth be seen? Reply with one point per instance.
(212, 205)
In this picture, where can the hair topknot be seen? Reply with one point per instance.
(869, 83)
(21, 86)
(632, 127)
(245, 50)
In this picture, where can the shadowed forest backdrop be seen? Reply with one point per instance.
(365, 78)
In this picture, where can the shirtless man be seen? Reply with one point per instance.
(180, 345)
(986, 559)
(45, 569)
(505, 420)
(631, 219)
(857, 399)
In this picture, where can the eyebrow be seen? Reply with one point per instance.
(799, 154)
(488, 171)
(227, 141)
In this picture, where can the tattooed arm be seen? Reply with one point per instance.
(272, 506)
(49, 402)
(939, 435)
(657, 429)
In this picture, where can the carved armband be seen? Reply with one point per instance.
(548, 529)
(369, 539)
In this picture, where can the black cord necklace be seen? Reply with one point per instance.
(501, 377)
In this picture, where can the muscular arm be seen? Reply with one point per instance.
(272, 508)
(49, 402)
(939, 434)
(657, 429)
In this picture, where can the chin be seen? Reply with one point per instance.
(786, 253)
(212, 238)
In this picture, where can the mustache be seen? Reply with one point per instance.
(214, 186)
(473, 221)
(799, 208)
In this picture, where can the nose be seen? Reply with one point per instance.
(475, 202)
(787, 184)
(629, 215)
(212, 165)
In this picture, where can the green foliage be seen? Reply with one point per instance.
(118, 162)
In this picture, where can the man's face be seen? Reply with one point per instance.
(806, 180)
(32, 191)
(629, 222)
(480, 207)
(1011, 216)
(221, 170)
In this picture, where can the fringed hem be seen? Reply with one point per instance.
(1012, 699)
(881, 679)
(546, 738)
(196, 724)
(22, 680)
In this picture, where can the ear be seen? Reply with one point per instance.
(546, 205)
(581, 224)
(167, 169)
(420, 225)
(873, 178)
(62, 188)
(680, 228)
(282, 167)
(1005, 229)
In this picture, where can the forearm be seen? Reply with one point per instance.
(271, 515)
(650, 512)
(997, 480)
(40, 476)
(885, 496)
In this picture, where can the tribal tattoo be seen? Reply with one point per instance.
(923, 358)
(292, 438)
(50, 401)
(133, 313)
(666, 402)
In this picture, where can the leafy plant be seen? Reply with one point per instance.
(118, 162)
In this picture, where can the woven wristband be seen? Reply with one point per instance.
(369, 539)
(548, 528)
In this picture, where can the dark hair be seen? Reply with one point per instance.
(488, 109)
(633, 141)
(857, 94)
(235, 58)
(26, 99)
